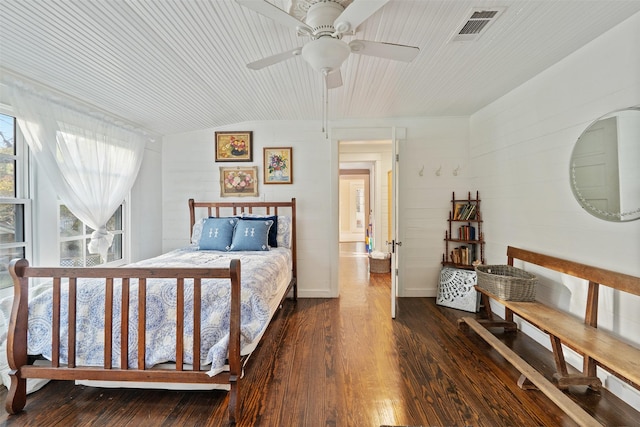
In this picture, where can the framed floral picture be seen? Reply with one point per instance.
(278, 165)
(239, 181)
(234, 146)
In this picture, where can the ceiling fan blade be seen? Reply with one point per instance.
(265, 8)
(334, 79)
(398, 52)
(356, 13)
(274, 59)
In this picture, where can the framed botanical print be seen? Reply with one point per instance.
(278, 165)
(234, 146)
(239, 181)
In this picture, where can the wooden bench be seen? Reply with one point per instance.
(598, 347)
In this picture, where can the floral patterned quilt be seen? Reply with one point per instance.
(262, 273)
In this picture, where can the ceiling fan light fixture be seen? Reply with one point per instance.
(325, 53)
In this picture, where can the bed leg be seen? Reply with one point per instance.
(234, 406)
(17, 337)
(17, 393)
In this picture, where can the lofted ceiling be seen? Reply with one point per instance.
(174, 66)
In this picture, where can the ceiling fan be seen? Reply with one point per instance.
(326, 21)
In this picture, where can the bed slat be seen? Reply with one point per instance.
(180, 325)
(108, 323)
(71, 362)
(124, 322)
(197, 315)
(55, 324)
(142, 320)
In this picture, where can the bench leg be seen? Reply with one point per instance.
(490, 322)
(526, 384)
(486, 305)
(562, 377)
(589, 370)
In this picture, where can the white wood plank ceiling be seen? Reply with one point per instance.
(173, 66)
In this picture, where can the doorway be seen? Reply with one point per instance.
(363, 208)
(354, 206)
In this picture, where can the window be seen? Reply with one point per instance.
(13, 204)
(75, 236)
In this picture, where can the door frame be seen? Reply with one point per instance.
(364, 171)
(349, 134)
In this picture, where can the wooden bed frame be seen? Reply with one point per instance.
(22, 366)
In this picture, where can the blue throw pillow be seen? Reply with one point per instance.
(251, 235)
(273, 231)
(217, 234)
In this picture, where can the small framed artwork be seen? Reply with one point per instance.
(234, 146)
(278, 165)
(239, 181)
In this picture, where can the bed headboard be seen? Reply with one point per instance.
(218, 209)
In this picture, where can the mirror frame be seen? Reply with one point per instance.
(627, 216)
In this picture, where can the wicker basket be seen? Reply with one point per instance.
(507, 282)
(377, 265)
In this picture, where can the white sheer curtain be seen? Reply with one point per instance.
(91, 159)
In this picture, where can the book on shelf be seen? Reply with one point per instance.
(461, 255)
(467, 232)
(458, 209)
(471, 212)
(464, 211)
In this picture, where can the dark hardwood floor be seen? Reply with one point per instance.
(345, 362)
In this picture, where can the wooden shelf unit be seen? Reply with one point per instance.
(467, 216)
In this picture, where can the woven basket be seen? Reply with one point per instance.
(507, 282)
(377, 265)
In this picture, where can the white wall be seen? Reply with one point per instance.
(425, 200)
(146, 206)
(520, 150)
(189, 171)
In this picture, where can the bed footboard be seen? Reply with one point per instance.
(17, 334)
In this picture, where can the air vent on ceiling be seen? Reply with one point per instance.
(478, 21)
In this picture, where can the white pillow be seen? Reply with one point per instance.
(197, 231)
(284, 232)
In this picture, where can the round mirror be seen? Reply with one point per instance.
(605, 167)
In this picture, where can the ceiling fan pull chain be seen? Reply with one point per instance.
(325, 106)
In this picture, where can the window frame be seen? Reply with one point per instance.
(83, 237)
(22, 174)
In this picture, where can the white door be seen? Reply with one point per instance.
(395, 245)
